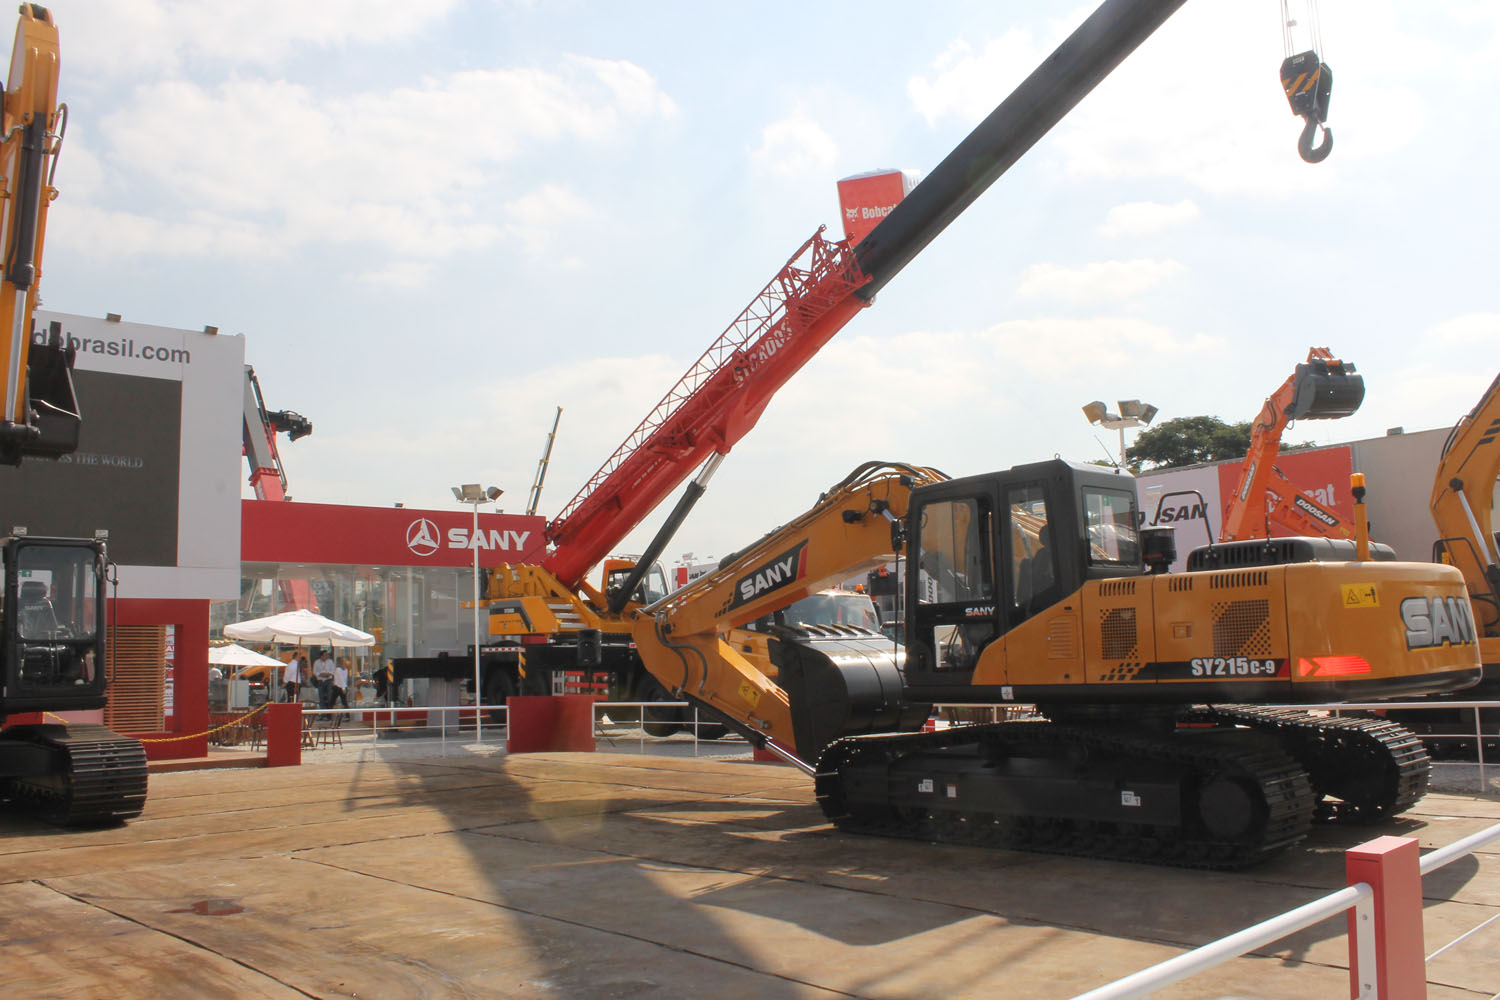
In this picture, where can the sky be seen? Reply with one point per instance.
(436, 223)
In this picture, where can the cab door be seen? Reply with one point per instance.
(953, 600)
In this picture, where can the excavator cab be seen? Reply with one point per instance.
(990, 552)
(51, 650)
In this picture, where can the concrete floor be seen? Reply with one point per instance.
(619, 875)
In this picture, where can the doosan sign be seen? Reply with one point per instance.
(273, 531)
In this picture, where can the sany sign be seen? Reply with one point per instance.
(422, 538)
(274, 531)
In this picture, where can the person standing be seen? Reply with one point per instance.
(340, 684)
(291, 678)
(323, 677)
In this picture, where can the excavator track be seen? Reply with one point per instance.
(1363, 770)
(93, 776)
(1208, 799)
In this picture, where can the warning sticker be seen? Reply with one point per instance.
(750, 694)
(1360, 595)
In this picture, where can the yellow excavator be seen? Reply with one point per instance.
(1153, 740)
(40, 415)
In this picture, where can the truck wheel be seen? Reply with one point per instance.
(498, 687)
(659, 722)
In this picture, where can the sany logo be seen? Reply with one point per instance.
(422, 537)
(779, 572)
(495, 538)
(1432, 622)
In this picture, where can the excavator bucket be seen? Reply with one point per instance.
(1326, 390)
(53, 429)
(841, 682)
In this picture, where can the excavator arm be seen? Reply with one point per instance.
(1463, 508)
(683, 639)
(1324, 388)
(40, 415)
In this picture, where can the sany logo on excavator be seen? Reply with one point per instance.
(1437, 621)
(775, 573)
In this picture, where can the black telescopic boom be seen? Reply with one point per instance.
(1042, 100)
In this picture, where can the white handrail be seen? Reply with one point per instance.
(1141, 983)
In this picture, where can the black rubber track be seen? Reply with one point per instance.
(1285, 797)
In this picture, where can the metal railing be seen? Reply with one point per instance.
(618, 724)
(1359, 897)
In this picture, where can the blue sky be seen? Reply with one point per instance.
(436, 223)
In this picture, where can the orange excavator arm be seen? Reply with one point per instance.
(1463, 508)
(40, 415)
(1323, 388)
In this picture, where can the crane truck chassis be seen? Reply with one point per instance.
(1159, 737)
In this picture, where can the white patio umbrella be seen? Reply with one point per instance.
(235, 655)
(299, 628)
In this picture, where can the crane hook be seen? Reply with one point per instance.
(1305, 147)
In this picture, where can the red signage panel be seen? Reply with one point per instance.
(866, 199)
(290, 532)
(1321, 473)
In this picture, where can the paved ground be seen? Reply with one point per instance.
(479, 874)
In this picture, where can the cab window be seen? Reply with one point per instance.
(954, 559)
(1110, 523)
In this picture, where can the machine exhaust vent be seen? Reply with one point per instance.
(1062, 638)
(1117, 634)
(1180, 584)
(1117, 588)
(1242, 628)
(1249, 578)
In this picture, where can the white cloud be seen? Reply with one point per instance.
(1471, 330)
(418, 170)
(1139, 218)
(794, 146)
(1103, 345)
(965, 82)
(534, 216)
(124, 36)
(1105, 279)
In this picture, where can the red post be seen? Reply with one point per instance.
(283, 734)
(1389, 865)
(541, 723)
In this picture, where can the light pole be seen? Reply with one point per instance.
(473, 493)
(1133, 413)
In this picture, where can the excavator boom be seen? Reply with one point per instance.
(40, 410)
(1323, 388)
(1463, 508)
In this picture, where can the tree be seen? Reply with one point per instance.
(1189, 441)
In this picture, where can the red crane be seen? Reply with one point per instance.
(821, 288)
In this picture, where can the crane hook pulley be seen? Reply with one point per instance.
(1308, 83)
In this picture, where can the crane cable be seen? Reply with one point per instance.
(1307, 81)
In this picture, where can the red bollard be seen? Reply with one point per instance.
(1390, 866)
(283, 734)
(542, 723)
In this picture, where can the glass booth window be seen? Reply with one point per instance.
(954, 559)
(1110, 519)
